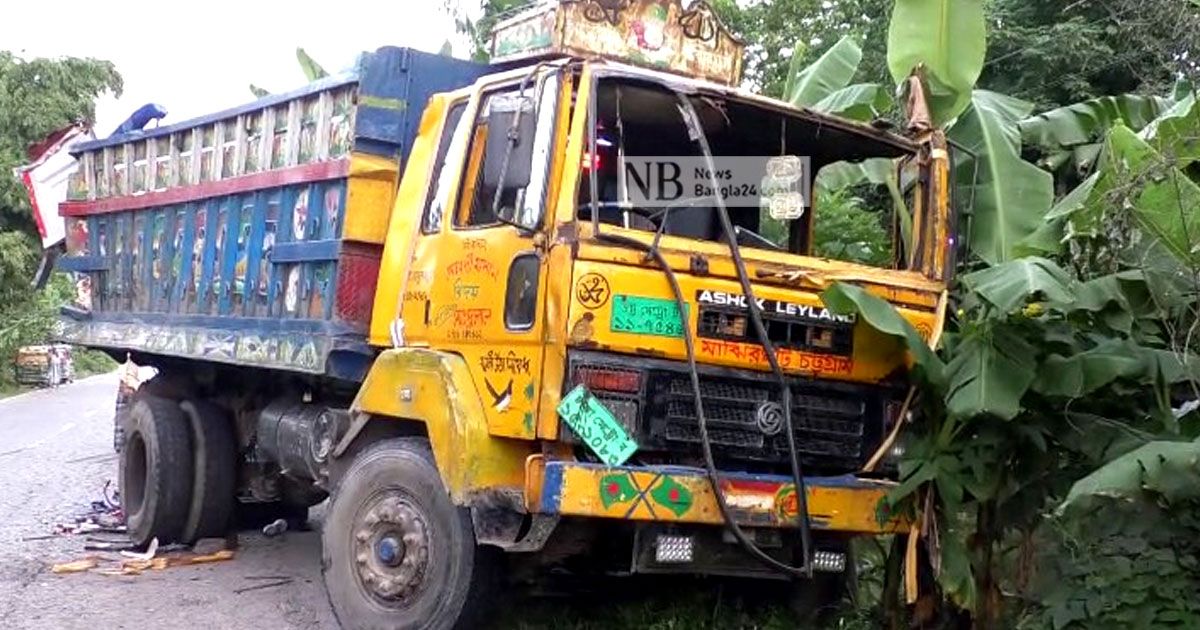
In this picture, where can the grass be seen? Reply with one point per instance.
(670, 603)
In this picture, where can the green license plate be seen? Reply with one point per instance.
(596, 426)
(646, 316)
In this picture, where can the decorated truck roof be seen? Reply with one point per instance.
(661, 34)
(251, 235)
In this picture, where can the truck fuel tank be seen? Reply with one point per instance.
(299, 437)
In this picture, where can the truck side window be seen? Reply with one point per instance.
(475, 200)
(435, 203)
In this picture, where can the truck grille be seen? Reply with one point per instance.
(837, 425)
(829, 426)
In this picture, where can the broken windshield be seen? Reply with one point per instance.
(651, 174)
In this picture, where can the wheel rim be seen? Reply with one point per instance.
(134, 480)
(391, 549)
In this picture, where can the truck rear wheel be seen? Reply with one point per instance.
(396, 552)
(156, 471)
(214, 474)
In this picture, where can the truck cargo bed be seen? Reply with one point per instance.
(251, 236)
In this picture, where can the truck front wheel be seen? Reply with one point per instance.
(396, 552)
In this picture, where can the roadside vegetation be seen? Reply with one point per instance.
(1053, 449)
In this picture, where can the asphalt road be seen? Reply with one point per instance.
(55, 455)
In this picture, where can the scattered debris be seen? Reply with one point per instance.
(275, 528)
(33, 538)
(206, 546)
(77, 566)
(280, 582)
(103, 516)
(148, 554)
(110, 546)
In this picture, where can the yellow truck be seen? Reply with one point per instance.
(498, 332)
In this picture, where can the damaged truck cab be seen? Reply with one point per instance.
(505, 358)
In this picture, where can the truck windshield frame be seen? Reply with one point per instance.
(615, 135)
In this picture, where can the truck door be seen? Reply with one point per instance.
(482, 280)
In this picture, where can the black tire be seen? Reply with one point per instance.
(453, 579)
(156, 471)
(214, 478)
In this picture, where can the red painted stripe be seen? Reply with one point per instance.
(245, 183)
(27, 179)
(751, 485)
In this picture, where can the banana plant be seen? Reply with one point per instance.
(830, 73)
(1010, 195)
(948, 39)
(1073, 134)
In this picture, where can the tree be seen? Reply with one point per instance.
(1055, 52)
(37, 97)
(479, 30)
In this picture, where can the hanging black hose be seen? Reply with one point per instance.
(755, 315)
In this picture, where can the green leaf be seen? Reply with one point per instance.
(861, 101)
(1011, 196)
(312, 70)
(845, 174)
(1156, 467)
(1163, 199)
(845, 299)
(258, 92)
(831, 72)
(1125, 290)
(1086, 122)
(1084, 373)
(949, 38)
(840, 175)
(990, 371)
(1009, 286)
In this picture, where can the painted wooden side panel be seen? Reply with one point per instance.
(253, 235)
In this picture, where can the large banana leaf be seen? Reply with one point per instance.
(947, 37)
(831, 72)
(848, 299)
(1085, 123)
(1083, 373)
(1162, 198)
(1073, 134)
(1169, 469)
(1175, 134)
(1010, 285)
(312, 70)
(990, 371)
(1011, 196)
(861, 101)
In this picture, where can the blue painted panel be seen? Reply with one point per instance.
(235, 226)
(184, 256)
(254, 255)
(401, 80)
(203, 289)
(82, 264)
(306, 251)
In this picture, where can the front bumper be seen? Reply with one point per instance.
(676, 494)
